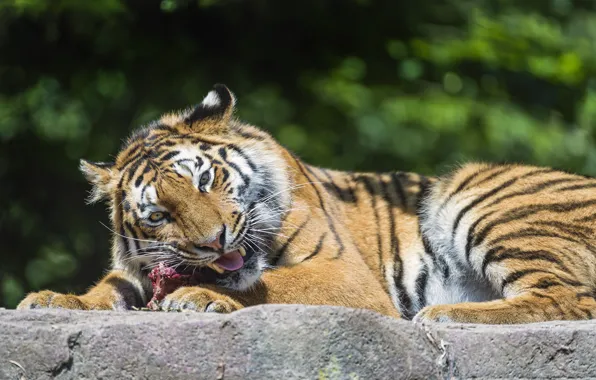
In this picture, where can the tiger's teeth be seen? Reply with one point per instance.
(216, 268)
(242, 251)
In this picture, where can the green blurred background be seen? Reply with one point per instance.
(354, 84)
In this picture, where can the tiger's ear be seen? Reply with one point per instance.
(216, 109)
(100, 175)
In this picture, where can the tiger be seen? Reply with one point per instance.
(214, 196)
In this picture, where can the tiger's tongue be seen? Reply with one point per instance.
(231, 261)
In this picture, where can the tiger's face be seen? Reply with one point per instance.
(199, 191)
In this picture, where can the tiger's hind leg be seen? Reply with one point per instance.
(541, 293)
(534, 306)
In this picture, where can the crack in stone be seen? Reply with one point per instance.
(445, 362)
(564, 349)
(66, 365)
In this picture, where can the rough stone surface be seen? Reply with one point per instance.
(284, 342)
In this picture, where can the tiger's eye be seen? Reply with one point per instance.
(156, 216)
(204, 180)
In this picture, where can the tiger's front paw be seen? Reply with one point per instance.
(48, 299)
(436, 313)
(199, 299)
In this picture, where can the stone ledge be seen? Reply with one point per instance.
(284, 342)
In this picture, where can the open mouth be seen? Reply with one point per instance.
(225, 264)
(166, 279)
(231, 261)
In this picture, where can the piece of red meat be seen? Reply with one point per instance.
(165, 280)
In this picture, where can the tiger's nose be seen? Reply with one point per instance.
(217, 243)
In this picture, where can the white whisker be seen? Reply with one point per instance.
(128, 237)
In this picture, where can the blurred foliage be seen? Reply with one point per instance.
(354, 84)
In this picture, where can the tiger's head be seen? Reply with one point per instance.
(198, 190)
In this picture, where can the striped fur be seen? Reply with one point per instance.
(485, 244)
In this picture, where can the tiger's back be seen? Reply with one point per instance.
(486, 243)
